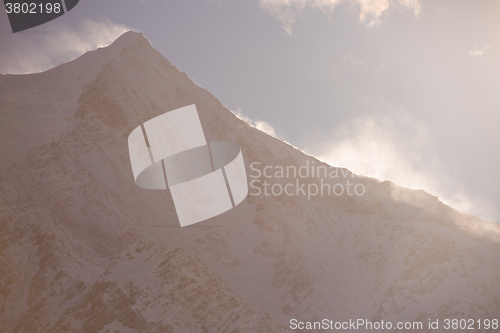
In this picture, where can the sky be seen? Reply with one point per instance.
(401, 90)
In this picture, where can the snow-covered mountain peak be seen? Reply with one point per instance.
(85, 249)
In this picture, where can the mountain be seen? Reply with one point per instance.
(83, 249)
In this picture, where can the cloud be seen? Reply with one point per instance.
(259, 124)
(371, 12)
(477, 52)
(37, 52)
(353, 61)
(395, 146)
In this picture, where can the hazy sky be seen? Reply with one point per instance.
(407, 90)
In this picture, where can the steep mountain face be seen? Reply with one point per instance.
(82, 248)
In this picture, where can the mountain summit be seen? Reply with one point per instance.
(84, 249)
